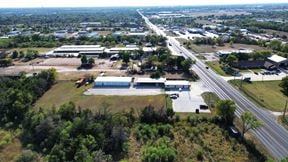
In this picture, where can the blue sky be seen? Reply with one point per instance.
(101, 3)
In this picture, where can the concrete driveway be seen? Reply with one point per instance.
(124, 91)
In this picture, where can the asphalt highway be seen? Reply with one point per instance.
(272, 135)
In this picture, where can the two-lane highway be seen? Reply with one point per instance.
(272, 135)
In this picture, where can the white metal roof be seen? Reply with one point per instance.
(149, 49)
(137, 34)
(150, 80)
(177, 82)
(84, 48)
(113, 79)
(124, 49)
(277, 59)
(80, 46)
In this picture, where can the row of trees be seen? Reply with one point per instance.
(48, 20)
(233, 58)
(162, 61)
(51, 41)
(28, 55)
(18, 95)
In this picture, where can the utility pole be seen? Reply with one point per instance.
(285, 109)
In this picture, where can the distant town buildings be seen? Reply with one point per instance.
(93, 50)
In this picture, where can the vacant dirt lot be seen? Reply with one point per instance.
(61, 62)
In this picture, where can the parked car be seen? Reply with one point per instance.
(233, 131)
(141, 72)
(176, 94)
(256, 73)
(173, 97)
(203, 107)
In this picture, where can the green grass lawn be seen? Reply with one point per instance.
(210, 99)
(216, 66)
(65, 91)
(266, 94)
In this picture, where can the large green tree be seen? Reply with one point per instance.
(284, 85)
(186, 65)
(126, 58)
(84, 59)
(226, 110)
(231, 59)
(249, 121)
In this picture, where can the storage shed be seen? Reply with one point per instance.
(113, 81)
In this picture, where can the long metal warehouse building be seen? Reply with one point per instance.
(113, 81)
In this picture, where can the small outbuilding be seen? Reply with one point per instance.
(113, 81)
(278, 61)
(176, 84)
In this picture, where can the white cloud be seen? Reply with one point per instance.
(100, 3)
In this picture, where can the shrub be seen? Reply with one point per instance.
(27, 156)
(162, 151)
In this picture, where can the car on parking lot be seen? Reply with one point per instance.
(176, 94)
(256, 73)
(203, 107)
(173, 96)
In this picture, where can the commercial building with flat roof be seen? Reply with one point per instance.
(75, 50)
(158, 82)
(121, 49)
(92, 50)
(176, 84)
(113, 81)
(278, 61)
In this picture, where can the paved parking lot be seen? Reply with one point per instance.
(189, 101)
(124, 91)
(258, 77)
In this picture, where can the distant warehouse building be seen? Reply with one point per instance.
(113, 81)
(75, 50)
(176, 84)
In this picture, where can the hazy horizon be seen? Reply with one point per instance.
(126, 3)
